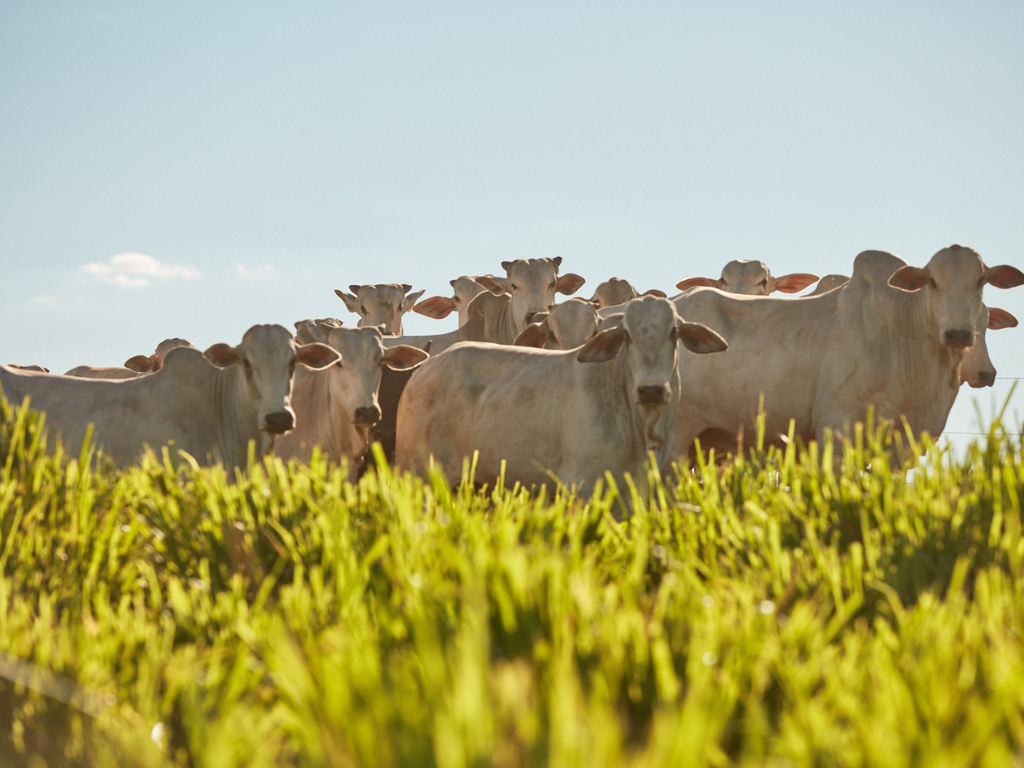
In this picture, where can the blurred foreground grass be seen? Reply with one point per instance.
(774, 612)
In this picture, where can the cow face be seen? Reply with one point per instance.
(465, 289)
(532, 284)
(267, 357)
(953, 280)
(563, 326)
(750, 278)
(358, 377)
(380, 305)
(976, 368)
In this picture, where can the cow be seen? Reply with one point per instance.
(33, 367)
(553, 416)
(615, 291)
(133, 366)
(562, 326)
(210, 404)
(336, 407)
(465, 289)
(503, 312)
(750, 278)
(828, 283)
(380, 305)
(891, 339)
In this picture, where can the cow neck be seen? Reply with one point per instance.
(235, 422)
(328, 427)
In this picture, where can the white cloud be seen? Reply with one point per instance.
(135, 270)
(45, 300)
(256, 273)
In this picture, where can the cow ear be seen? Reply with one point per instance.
(437, 307)
(506, 265)
(999, 319)
(603, 347)
(350, 301)
(404, 357)
(699, 339)
(1004, 276)
(655, 292)
(695, 282)
(496, 285)
(222, 355)
(909, 278)
(139, 363)
(795, 282)
(317, 355)
(410, 300)
(569, 283)
(534, 335)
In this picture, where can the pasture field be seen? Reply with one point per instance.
(783, 611)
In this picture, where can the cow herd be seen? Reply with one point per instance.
(543, 392)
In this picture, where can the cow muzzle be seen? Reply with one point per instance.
(652, 394)
(366, 416)
(984, 379)
(958, 338)
(279, 422)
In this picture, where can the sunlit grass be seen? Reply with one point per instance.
(791, 607)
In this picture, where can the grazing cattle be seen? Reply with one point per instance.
(563, 326)
(750, 278)
(570, 415)
(134, 366)
(336, 407)
(209, 411)
(976, 369)
(892, 338)
(503, 312)
(380, 305)
(465, 289)
(615, 291)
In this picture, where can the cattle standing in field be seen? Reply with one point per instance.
(615, 291)
(133, 366)
(892, 338)
(570, 415)
(464, 290)
(380, 305)
(336, 407)
(209, 411)
(750, 278)
(563, 326)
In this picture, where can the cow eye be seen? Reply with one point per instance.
(764, 283)
(931, 282)
(514, 286)
(458, 300)
(552, 286)
(362, 308)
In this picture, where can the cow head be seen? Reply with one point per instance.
(750, 278)
(563, 326)
(465, 289)
(266, 358)
(650, 329)
(829, 283)
(532, 284)
(380, 305)
(152, 363)
(953, 281)
(976, 368)
(358, 378)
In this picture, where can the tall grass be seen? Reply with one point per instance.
(787, 610)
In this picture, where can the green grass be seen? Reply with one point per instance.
(787, 610)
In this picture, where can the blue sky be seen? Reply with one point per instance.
(260, 154)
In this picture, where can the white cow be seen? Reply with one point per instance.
(209, 411)
(464, 290)
(133, 366)
(891, 338)
(380, 305)
(562, 326)
(750, 278)
(565, 415)
(615, 291)
(336, 407)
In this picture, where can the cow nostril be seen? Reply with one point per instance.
(958, 338)
(278, 422)
(367, 416)
(987, 378)
(651, 394)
